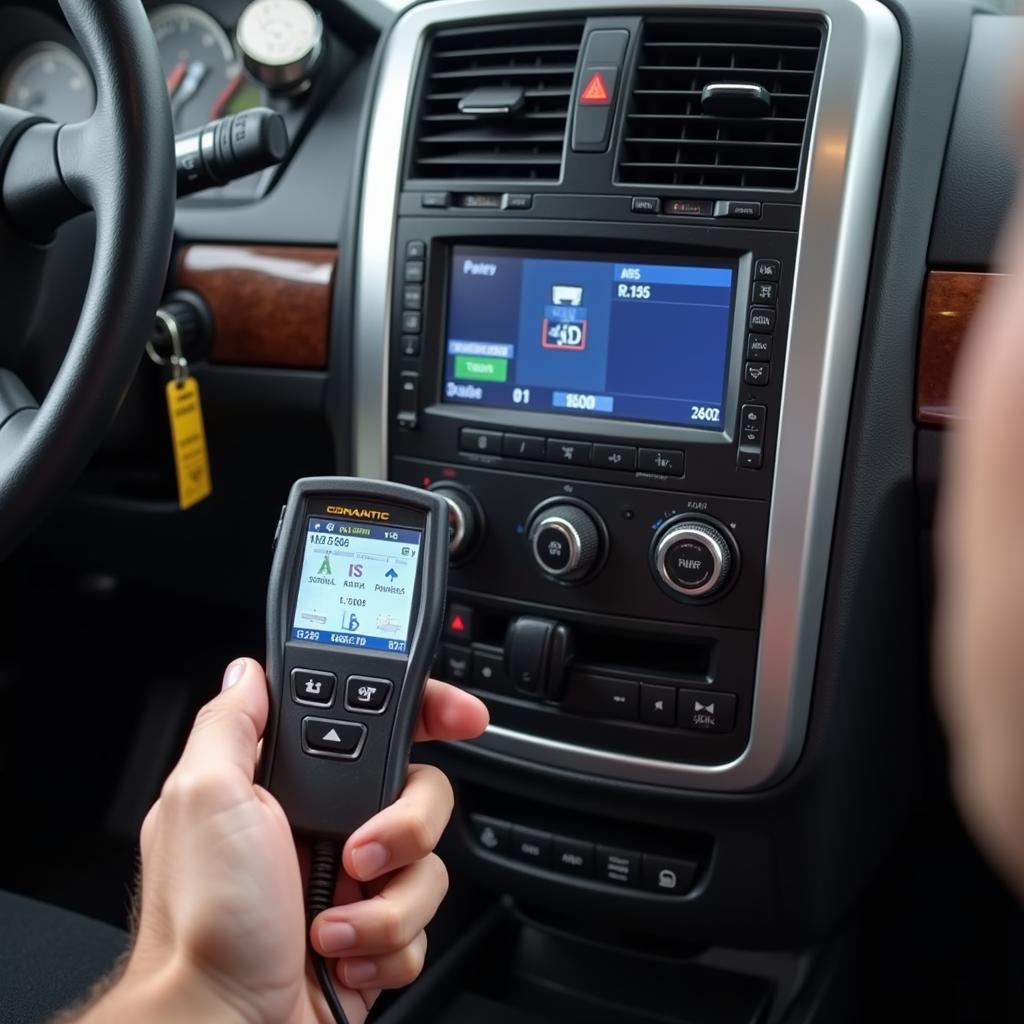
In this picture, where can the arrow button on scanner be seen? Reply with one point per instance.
(324, 736)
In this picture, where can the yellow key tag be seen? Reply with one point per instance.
(188, 439)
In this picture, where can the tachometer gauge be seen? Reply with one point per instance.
(204, 78)
(50, 80)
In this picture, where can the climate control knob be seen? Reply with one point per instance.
(465, 520)
(565, 541)
(692, 557)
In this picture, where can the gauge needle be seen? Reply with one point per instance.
(189, 86)
(176, 75)
(224, 98)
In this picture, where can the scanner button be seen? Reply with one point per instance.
(367, 694)
(311, 687)
(340, 739)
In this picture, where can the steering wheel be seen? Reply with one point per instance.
(119, 163)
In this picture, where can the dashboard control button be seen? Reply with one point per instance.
(412, 296)
(614, 456)
(572, 453)
(767, 270)
(412, 322)
(657, 704)
(492, 834)
(707, 711)
(455, 664)
(336, 739)
(759, 347)
(572, 856)
(692, 557)
(752, 421)
(619, 866)
(536, 654)
(689, 207)
(738, 209)
(436, 200)
(668, 875)
(489, 669)
(411, 345)
(749, 458)
(524, 446)
(516, 201)
(646, 204)
(367, 694)
(458, 622)
(487, 442)
(762, 319)
(756, 374)
(415, 250)
(409, 399)
(661, 460)
(415, 270)
(465, 519)
(606, 696)
(765, 293)
(565, 541)
(531, 845)
(310, 687)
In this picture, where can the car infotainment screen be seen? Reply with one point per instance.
(589, 337)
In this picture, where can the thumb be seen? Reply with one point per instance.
(227, 730)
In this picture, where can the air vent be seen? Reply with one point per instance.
(496, 101)
(676, 134)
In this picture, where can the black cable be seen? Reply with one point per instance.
(323, 874)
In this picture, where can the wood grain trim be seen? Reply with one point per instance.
(950, 303)
(271, 304)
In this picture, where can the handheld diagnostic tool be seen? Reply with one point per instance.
(354, 613)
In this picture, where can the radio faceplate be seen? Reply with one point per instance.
(575, 446)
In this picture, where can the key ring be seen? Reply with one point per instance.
(178, 362)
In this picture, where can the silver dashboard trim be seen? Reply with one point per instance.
(848, 144)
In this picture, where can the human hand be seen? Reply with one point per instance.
(222, 931)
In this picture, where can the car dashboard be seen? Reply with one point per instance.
(691, 580)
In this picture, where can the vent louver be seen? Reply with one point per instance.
(535, 63)
(670, 138)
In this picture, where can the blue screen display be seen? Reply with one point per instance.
(587, 337)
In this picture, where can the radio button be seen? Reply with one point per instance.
(657, 704)
(767, 270)
(749, 458)
(662, 461)
(705, 711)
(412, 322)
(415, 271)
(516, 201)
(415, 250)
(765, 293)
(486, 442)
(762, 319)
(646, 204)
(752, 418)
(756, 374)
(574, 453)
(436, 200)
(759, 347)
(411, 345)
(524, 446)
(409, 399)
(614, 456)
(605, 696)
(412, 296)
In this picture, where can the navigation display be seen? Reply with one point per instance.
(357, 585)
(588, 337)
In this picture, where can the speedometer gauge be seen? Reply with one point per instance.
(204, 79)
(50, 80)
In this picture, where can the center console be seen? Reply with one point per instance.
(611, 297)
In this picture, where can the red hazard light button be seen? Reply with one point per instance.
(596, 91)
(459, 622)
